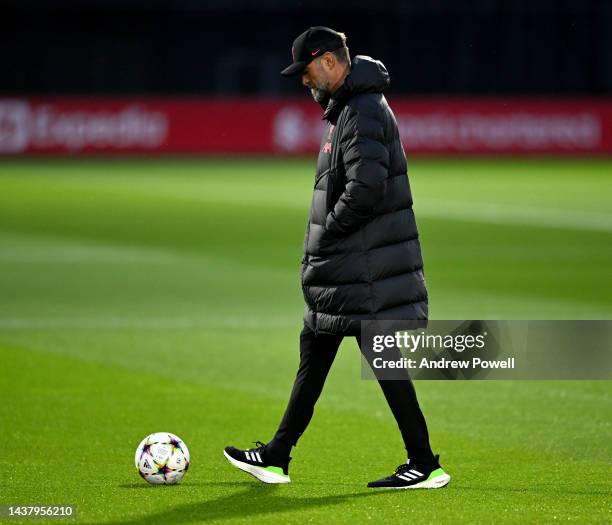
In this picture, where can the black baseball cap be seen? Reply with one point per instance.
(311, 44)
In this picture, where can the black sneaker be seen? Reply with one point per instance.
(412, 476)
(254, 461)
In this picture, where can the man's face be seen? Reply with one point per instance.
(316, 78)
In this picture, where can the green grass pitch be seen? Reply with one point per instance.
(163, 295)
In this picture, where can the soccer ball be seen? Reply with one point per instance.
(162, 458)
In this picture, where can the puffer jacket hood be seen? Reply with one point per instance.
(367, 76)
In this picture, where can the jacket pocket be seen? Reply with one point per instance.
(324, 173)
(335, 186)
(302, 271)
(329, 193)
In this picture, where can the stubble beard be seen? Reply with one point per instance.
(321, 94)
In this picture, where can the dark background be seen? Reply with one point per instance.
(238, 47)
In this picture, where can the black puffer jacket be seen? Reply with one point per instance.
(362, 257)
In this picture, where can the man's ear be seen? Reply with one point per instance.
(329, 60)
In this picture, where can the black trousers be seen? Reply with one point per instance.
(317, 353)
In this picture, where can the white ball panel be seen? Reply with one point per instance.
(161, 453)
(159, 437)
(174, 477)
(177, 460)
(139, 452)
(155, 479)
(147, 464)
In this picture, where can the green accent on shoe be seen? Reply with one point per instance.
(435, 474)
(275, 470)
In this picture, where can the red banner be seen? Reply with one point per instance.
(286, 126)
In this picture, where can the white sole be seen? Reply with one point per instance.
(260, 473)
(435, 483)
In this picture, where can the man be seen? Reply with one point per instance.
(362, 257)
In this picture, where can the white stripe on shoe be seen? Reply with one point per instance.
(248, 455)
(258, 457)
(416, 472)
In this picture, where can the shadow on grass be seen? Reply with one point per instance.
(147, 486)
(251, 500)
(247, 499)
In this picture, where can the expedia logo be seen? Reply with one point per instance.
(69, 127)
(14, 116)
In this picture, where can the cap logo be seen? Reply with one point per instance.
(314, 53)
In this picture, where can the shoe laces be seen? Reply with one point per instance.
(259, 444)
(401, 468)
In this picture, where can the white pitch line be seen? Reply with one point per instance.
(564, 219)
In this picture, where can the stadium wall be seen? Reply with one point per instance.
(112, 126)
